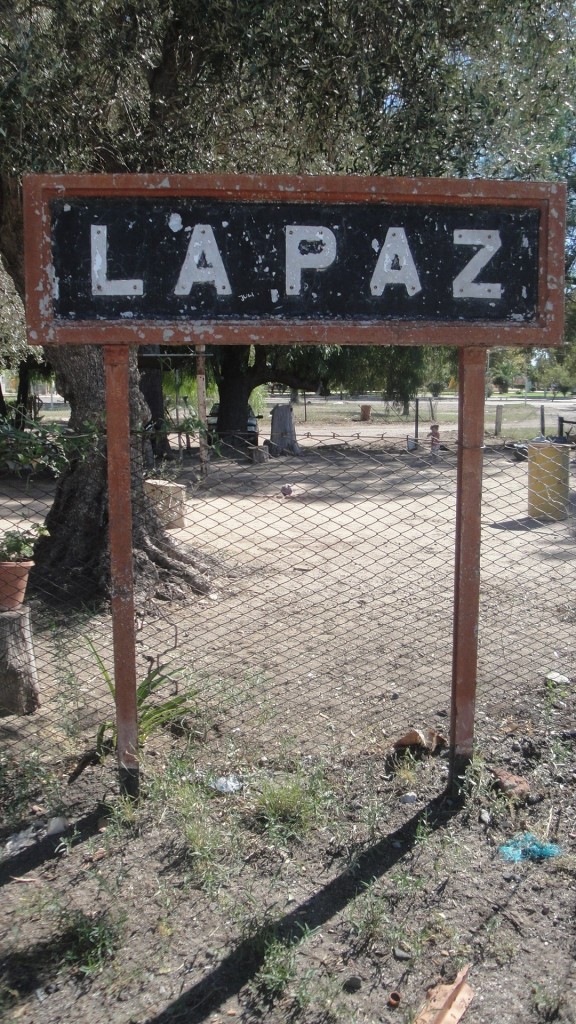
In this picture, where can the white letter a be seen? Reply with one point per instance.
(203, 264)
(395, 264)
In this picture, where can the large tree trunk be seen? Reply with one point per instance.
(151, 388)
(236, 380)
(73, 561)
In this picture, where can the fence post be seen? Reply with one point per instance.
(201, 394)
(498, 424)
(471, 381)
(117, 364)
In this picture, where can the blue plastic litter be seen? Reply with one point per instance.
(528, 847)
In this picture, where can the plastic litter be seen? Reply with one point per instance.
(22, 840)
(528, 847)
(226, 784)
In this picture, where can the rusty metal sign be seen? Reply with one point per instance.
(127, 260)
(234, 260)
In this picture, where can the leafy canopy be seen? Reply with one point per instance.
(415, 87)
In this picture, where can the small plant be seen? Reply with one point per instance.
(39, 448)
(288, 807)
(547, 1004)
(205, 844)
(556, 692)
(83, 940)
(152, 716)
(406, 769)
(369, 918)
(278, 956)
(479, 793)
(405, 884)
(18, 545)
(423, 830)
(89, 940)
(277, 971)
(23, 780)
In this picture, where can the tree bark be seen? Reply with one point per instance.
(18, 678)
(236, 380)
(151, 388)
(72, 562)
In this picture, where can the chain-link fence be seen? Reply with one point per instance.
(327, 621)
(294, 619)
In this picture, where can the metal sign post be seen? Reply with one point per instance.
(116, 362)
(123, 260)
(471, 400)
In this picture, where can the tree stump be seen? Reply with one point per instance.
(19, 693)
(283, 432)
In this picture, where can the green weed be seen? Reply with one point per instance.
(89, 940)
(84, 941)
(192, 809)
(152, 714)
(204, 844)
(424, 831)
(554, 695)
(406, 769)
(405, 884)
(478, 790)
(321, 999)
(288, 807)
(278, 965)
(369, 918)
(24, 780)
(547, 1004)
(277, 971)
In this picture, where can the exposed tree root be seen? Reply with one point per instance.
(179, 564)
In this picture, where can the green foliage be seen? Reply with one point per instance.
(258, 400)
(434, 87)
(13, 345)
(40, 448)
(369, 917)
(277, 971)
(287, 807)
(206, 838)
(547, 1003)
(397, 371)
(427, 88)
(152, 713)
(18, 545)
(22, 780)
(89, 940)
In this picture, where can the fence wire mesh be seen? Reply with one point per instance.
(328, 622)
(280, 865)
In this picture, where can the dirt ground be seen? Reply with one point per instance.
(328, 874)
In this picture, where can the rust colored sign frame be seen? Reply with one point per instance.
(371, 196)
(471, 337)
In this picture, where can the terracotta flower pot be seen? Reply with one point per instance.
(13, 581)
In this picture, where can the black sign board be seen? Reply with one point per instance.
(166, 259)
(265, 261)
